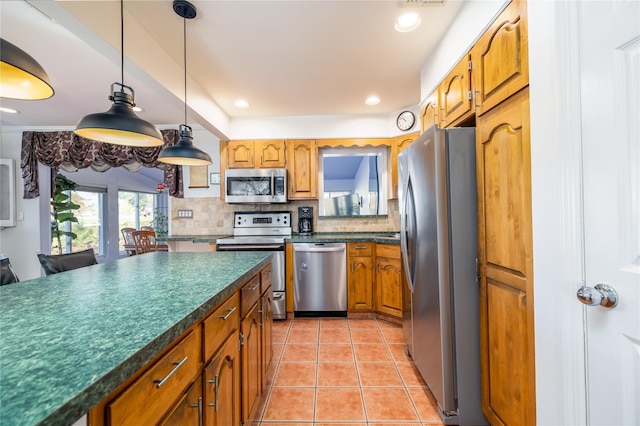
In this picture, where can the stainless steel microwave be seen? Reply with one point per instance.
(255, 185)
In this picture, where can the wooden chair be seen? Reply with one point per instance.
(145, 241)
(129, 244)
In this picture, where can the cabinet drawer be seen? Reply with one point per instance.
(266, 277)
(391, 251)
(220, 324)
(249, 295)
(148, 398)
(360, 249)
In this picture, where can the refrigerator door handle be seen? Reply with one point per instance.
(407, 233)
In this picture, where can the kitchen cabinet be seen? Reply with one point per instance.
(388, 280)
(505, 251)
(250, 348)
(360, 276)
(429, 112)
(454, 94)
(256, 154)
(398, 145)
(188, 412)
(302, 167)
(500, 58)
(266, 348)
(221, 401)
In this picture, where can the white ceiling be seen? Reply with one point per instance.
(286, 58)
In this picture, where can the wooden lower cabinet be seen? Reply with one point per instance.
(188, 412)
(388, 280)
(221, 398)
(212, 375)
(360, 276)
(250, 336)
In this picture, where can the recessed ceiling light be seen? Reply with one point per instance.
(372, 100)
(137, 109)
(9, 110)
(241, 103)
(408, 22)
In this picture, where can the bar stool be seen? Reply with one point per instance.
(56, 263)
(8, 274)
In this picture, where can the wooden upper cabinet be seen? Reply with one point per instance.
(241, 154)
(270, 154)
(399, 144)
(302, 165)
(429, 113)
(455, 94)
(500, 58)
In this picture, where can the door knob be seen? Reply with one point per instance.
(601, 294)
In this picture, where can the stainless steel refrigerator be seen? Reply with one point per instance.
(438, 221)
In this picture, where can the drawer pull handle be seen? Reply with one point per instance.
(361, 247)
(255, 287)
(160, 382)
(229, 312)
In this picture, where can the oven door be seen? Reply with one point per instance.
(278, 272)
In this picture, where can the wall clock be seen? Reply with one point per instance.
(406, 120)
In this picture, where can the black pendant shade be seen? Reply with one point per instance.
(120, 125)
(21, 76)
(184, 152)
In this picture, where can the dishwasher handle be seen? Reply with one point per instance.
(318, 249)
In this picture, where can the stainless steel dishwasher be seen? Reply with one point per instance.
(320, 279)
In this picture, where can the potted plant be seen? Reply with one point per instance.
(62, 209)
(160, 223)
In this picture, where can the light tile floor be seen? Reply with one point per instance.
(338, 371)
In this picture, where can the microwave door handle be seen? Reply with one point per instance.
(273, 184)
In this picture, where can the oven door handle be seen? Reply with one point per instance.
(245, 247)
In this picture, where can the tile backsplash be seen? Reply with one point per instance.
(211, 216)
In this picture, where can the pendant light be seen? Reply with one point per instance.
(120, 125)
(184, 153)
(21, 76)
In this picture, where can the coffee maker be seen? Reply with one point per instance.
(305, 220)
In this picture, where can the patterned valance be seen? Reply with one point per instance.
(70, 152)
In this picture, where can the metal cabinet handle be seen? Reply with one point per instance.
(160, 382)
(215, 382)
(601, 294)
(361, 247)
(199, 407)
(229, 312)
(255, 287)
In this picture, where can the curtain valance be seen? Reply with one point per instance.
(70, 152)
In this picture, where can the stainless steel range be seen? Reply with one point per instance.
(263, 231)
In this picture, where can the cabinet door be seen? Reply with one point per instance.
(302, 165)
(270, 154)
(399, 144)
(429, 113)
(241, 154)
(388, 290)
(250, 354)
(267, 340)
(455, 94)
(221, 399)
(506, 264)
(360, 284)
(501, 58)
(188, 412)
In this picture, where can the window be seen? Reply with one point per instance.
(89, 226)
(135, 209)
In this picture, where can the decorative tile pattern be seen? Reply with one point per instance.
(333, 379)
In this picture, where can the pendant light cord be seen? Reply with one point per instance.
(122, 44)
(184, 26)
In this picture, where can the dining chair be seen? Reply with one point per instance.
(56, 263)
(129, 244)
(145, 241)
(8, 275)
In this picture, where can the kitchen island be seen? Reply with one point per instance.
(68, 340)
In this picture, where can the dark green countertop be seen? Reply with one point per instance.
(333, 237)
(68, 340)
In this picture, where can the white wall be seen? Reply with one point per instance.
(210, 144)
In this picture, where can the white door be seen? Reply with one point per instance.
(610, 90)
